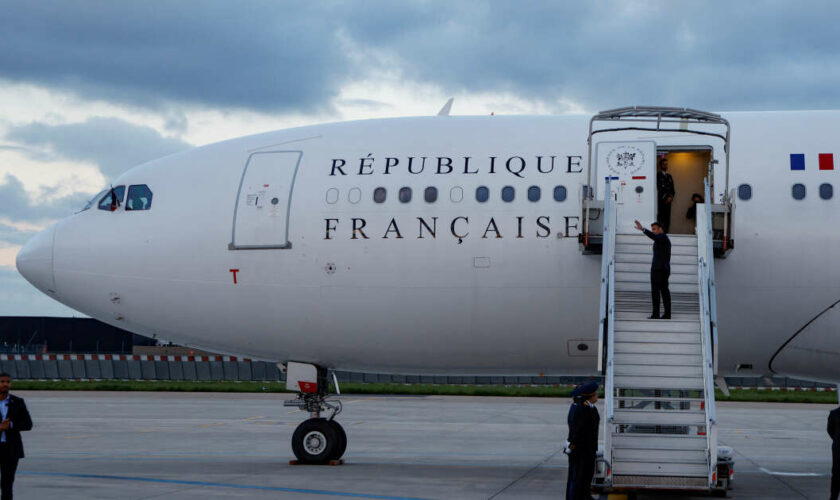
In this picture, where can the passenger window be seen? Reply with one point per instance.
(430, 194)
(354, 196)
(332, 195)
(826, 191)
(482, 194)
(113, 199)
(560, 193)
(534, 193)
(798, 191)
(379, 195)
(508, 193)
(139, 197)
(456, 194)
(745, 192)
(405, 195)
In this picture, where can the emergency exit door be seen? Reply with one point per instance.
(261, 214)
(631, 168)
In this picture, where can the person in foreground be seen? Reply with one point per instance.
(15, 419)
(834, 432)
(583, 443)
(660, 268)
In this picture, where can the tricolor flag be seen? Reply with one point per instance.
(826, 161)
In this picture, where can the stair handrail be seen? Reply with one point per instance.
(710, 260)
(705, 259)
(607, 256)
(606, 332)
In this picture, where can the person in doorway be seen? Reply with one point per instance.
(834, 432)
(660, 268)
(583, 439)
(665, 192)
(15, 419)
(573, 408)
(691, 213)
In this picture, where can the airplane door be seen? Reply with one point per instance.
(631, 168)
(261, 214)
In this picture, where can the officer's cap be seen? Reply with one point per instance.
(587, 389)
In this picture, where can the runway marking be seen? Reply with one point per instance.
(792, 474)
(204, 426)
(218, 485)
(253, 418)
(84, 436)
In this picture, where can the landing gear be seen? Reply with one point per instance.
(317, 440)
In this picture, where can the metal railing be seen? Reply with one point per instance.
(708, 321)
(606, 330)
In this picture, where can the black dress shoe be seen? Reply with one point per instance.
(667, 316)
(652, 316)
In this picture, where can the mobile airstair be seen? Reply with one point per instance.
(660, 428)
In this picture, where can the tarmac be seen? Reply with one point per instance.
(142, 445)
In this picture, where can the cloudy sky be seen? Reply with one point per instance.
(89, 89)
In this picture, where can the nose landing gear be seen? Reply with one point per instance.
(317, 440)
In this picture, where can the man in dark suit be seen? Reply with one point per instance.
(583, 438)
(665, 192)
(834, 432)
(14, 419)
(660, 268)
(573, 408)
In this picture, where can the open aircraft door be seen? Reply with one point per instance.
(631, 168)
(261, 213)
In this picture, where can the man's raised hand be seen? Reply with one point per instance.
(639, 226)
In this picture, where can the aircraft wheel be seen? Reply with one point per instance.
(342, 440)
(315, 441)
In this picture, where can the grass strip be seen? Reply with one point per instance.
(765, 396)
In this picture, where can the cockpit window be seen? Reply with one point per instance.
(139, 197)
(91, 202)
(113, 199)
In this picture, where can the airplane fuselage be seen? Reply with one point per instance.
(432, 279)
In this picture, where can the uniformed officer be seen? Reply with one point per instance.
(665, 190)
(583, 438)
(576, 402)
(834, 432)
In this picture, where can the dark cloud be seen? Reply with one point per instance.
(262, 55)
(19, 207)
(14, 236)
(112, 144)
(19, 298)
(718, 55)
(270, 56)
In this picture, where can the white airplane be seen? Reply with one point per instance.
(453, 245)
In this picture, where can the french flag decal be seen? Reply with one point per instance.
(826, 161)
(797, 162)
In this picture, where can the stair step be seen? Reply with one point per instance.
(658, 359)
(647, 248)
(657, 370)
(658, 325)
(630, 286)
(659, 441)
(644, 277)
(656, 456)
(689, 260)
(627, 348)
(660, 417)
(620, 468)
(656, 382)
(657, 337)
(644, 267)
(642, 313)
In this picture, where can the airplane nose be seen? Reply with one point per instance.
(35, 260)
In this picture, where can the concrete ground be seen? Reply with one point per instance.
(196, 445)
